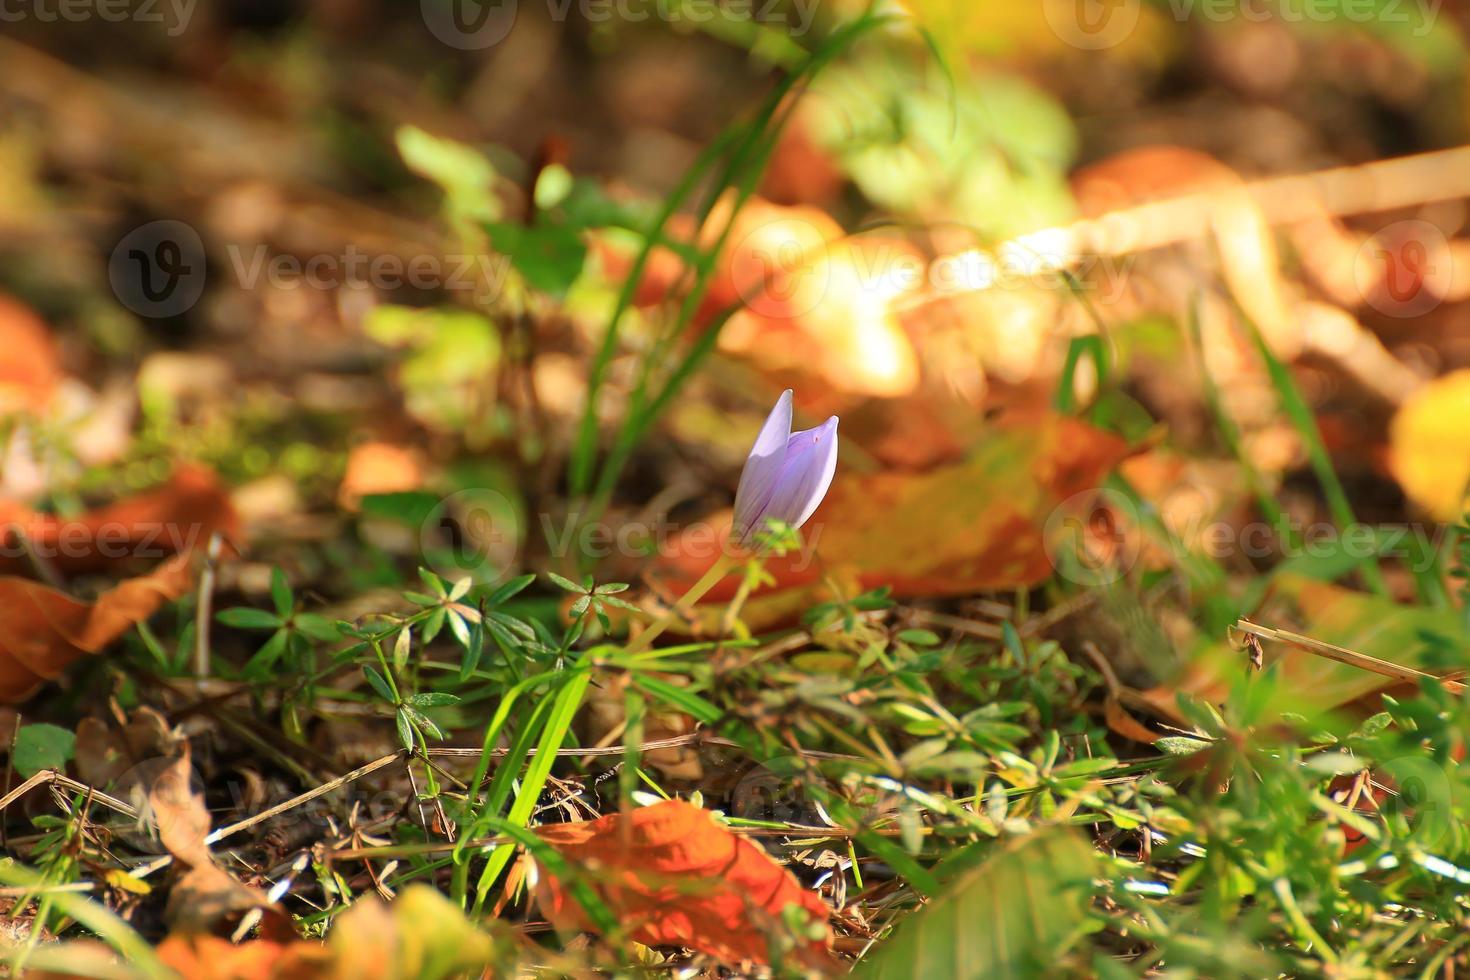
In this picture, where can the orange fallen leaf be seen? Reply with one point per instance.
(30, 371)
(43, 631)
(956, 529)
(200, 956)
(830, 311)
(676, 877)
(379, 467)
(173, 519)
(811, 299)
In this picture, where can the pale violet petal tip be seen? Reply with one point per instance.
(763, 466)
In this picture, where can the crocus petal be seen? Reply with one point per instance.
(805, 475)
(763, 465)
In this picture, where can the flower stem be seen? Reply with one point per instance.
(711, 578)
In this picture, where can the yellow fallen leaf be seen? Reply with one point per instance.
(1429, 446)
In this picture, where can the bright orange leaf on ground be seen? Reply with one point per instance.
(676, 877)
(200, 956)
(43, 631)
(952, 530)
(173, 519)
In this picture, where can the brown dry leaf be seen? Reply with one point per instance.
(953, 530)
(43, 631)
(103, 753)
(30, 371)
(1120, 722)
(674, 876)
(1429, 446)
(205, 894)
(173, 519)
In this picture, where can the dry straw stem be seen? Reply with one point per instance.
(1343, 655)
(1384, 185)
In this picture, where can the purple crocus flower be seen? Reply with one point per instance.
(786, 475)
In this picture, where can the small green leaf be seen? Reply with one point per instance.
(510, 589)
(424, 723)
(405, 728)
(379, 684)
(318, 628)
(270, 651)
(517, 626)
(433, 699)
(459, 628)
(281, 596)
(402, 646)
(580, 606)
(42, 746)
(1180, 745)
(433, 625)
(618, 603)
(565, 583)
(472, 653)
(919, 638)
(549, 256)
(611, 588)
(244, 618)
